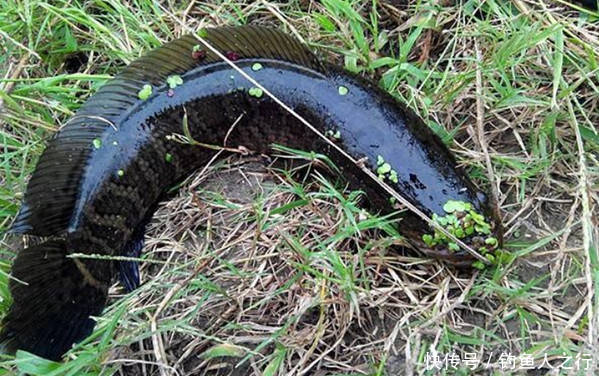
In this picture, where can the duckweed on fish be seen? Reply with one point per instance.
(255, 92)
(334, 134)
(174, 81)
(463, 221)
(384, 168)
(145, 92)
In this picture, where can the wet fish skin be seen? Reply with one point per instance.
(101, 176)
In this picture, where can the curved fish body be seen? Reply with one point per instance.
(100, 177)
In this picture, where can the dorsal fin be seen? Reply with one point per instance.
(244, 41)
(53, 189)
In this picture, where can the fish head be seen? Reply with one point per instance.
(475, 223)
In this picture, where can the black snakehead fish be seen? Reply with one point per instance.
(100, 177)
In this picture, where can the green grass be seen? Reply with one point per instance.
(300, 259)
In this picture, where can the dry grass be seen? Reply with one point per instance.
(230, 268)
(266, 278)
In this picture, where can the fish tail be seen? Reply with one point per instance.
(53, 299)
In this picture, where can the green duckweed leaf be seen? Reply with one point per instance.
(255, 92)
(174, 81)
(145, 92)
(383, 169)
